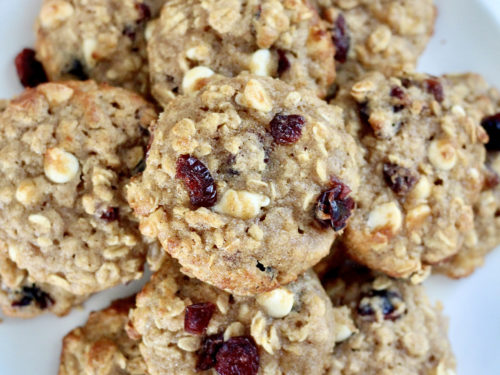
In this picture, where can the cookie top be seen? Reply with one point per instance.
(247, 183)
(21, 297)
(66, 152)
(394, 329)
(188, 326)
(380, 35)
(423, 171)
(194, 39)
(99, 39)
(102, 346)
(483, 100)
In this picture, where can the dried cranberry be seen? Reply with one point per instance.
(491, 179)
(143, 11)
(210, 345)
(197, 317)
(388, 303)
(34, 294)
(434, 87)
(401, 180)
(341, 39)
(406, 82)
(492, 126)
(283, 62)
(77, 70)
(398, 92)
(334, 207)
(111, 214)
(287, 129)
(29, 70)
(198, 181)
(238, 356)
(130, 32)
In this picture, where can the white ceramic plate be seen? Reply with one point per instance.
(467, 39)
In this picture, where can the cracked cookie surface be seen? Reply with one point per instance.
(247, 183)
(390, 326)
(194, 39)
(99, 39)
(187, 326)
(379, 35)
(67, 150)
(424, 155)
(102, 345)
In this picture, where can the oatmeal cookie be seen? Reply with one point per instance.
(390, 327)
(247, 183)
(379, 35)
(102, 345)
(276, 38)
(99, 39)
(187, 326)
(21, 297)
(484, 101)
(66, 152)
(424, 154)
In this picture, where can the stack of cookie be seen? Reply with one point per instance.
(240, 149)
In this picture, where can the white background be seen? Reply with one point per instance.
(467, 38)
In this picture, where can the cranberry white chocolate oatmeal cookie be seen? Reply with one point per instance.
(193, 39)
(66, 152)
(99, 39)
(424, 159)
(390, 327)
(188, 327)
(21, 297)
(483, 101)
(382, 35)
(101, 346)
(247, 183)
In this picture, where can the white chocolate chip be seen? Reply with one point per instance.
(442, 154)
(385, 216)
(88, 47)
(260, 63)
(60, 166)
(277, 303)
(256, 97)
(40, 221)
(195, 79)
(458, 111)
(342, 332)
(54, 12)
(27, 192)
(241, 204)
